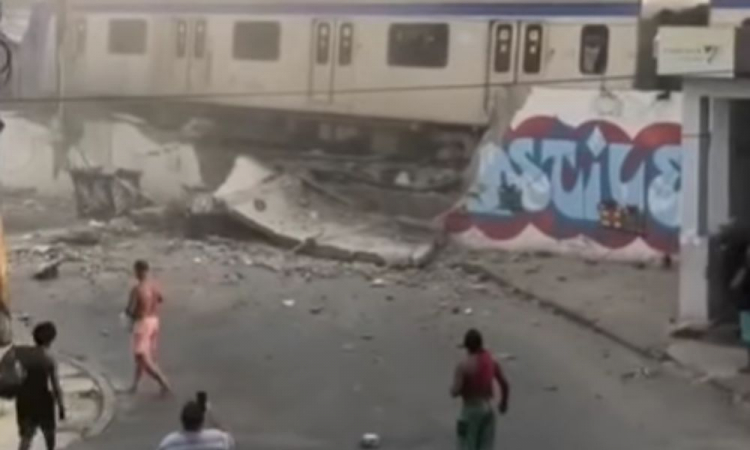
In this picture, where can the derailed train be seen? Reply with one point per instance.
(347, 70)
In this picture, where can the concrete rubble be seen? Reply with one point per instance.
(286, 210)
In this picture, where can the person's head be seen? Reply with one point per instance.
(44, 334)
(473, 342)
(141, 269)
(192, 416)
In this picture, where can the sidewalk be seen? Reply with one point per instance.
(634, 305)
(89, 402)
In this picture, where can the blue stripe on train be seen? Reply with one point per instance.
(403, 9)
(740, 4)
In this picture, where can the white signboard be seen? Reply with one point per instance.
(695, 51)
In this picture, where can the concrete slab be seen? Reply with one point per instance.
(284, 208)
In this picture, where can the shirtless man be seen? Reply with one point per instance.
(143, 311)
(473, 382)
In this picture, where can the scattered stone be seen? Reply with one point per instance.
(104, 332)
(347, 347)
(562, 278)
(640, 265)
(366, 337)
(591, 262)
(81, 237)
(533, 270)
(456, 310)
(378, 282)
(316, 310)
(551, 388)
(389, 298)
(289, 303)
(369, 441)
(48, 271)
(468, 311)
(505, 357)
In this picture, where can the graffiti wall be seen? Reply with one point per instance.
(571, 175)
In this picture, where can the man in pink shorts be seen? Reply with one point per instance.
(143, 311)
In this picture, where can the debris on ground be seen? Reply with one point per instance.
(642, 372)
(48, 271)
(289, 303)
(316, 310)
(88, 236)
(369, 441)
(378, 282)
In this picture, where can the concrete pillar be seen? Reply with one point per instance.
(697, 144)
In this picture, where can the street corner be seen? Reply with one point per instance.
(90, 403)
(89, 397)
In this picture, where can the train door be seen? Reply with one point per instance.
(501, 61)
(343, 74)
(322, 64)
(199, 71)
(534, 52)
(172, 62)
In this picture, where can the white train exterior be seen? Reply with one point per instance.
(446, 65)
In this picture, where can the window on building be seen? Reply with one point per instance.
(346, 44)
(503, 48)
(127, 36)
(257, 41)
(594, 49)
(418, 45)
(532, 49)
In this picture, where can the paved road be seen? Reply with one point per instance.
(373, 359)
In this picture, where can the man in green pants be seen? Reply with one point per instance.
(473, 382)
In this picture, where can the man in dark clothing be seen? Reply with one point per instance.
(741, 285)
(40, 391)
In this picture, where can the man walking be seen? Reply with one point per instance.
(193, 435)
(40, 391)
(473, 382)
(143, 310)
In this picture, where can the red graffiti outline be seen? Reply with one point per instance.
(648, 140)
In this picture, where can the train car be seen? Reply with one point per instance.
(344, 70)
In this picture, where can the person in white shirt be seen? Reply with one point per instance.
(193, 435)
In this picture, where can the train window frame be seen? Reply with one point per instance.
(598, 31)
(346, 43)
(199, 41)
(265, 31)
(322, 43)
(181, 38)
(418, 55)
(81, 34)
(502, 61)
(127, 37)
(532, 63)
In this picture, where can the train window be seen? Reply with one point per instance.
(80, 36)
(323, 43)
(127, 36)
(200, 39)
(418, 45)
(346, 42)
(258, 41)
(594, 49)
(503, 48)
(181, 49)
(532, 57)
